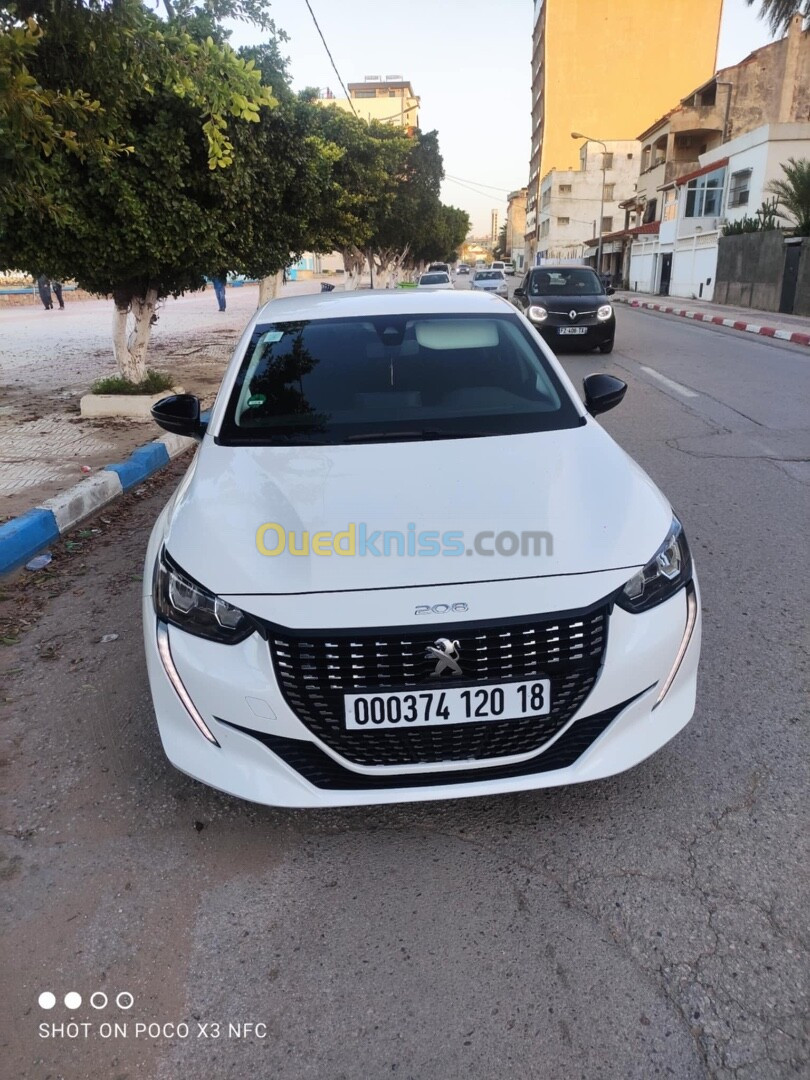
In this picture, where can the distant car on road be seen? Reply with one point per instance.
(462, 268)
(437, 280)
(569, 306)
(439, 268)
(490, 281)
(509, 268)
(498, 265)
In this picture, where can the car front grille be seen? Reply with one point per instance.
(315, 670)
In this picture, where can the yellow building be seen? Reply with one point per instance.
(390, 100)
(609, 70)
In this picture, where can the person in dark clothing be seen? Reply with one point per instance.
(57, 291)
(218, 281)
(44, 287)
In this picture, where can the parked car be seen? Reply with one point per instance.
(490, 281)
(498, 265)
(289, 678)
(443, 268)
(569, 305)
(509, 268)
(435, 280)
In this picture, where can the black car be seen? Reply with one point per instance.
(569, 306)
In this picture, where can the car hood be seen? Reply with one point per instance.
(599, 508)
(569, 303)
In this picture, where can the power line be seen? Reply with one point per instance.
(464, 180)
(474, 190)
(331, 59)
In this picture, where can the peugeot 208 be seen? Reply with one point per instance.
(407, 563)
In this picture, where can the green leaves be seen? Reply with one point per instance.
(793, 193)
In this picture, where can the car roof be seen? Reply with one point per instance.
(346, 305)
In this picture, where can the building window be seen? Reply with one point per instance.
(563, 221)
(607, 224)
(365, 93)
(739, 188)
(704, 194)
(544, 228)
(565, 189)
(607, 161)
(609, 188)
(670, 208)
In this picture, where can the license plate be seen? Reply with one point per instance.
(572, 330)
(453, 705)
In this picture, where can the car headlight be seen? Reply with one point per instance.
(537, 313)
(179, 600)
(604, 312)
(666, 572)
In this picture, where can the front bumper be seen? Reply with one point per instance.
(264, 753)
(596, 333)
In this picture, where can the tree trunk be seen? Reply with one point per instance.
(269, 287)
(353, 263)
(130, 348)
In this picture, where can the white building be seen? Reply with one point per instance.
(572, 208)
(731, 182)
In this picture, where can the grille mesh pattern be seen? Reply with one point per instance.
(316, 670)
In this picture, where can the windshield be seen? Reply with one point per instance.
(565, 281)
(489, 275)
(393, 377)
(434, 279)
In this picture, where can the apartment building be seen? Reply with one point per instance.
(389, 99)
(604, 69)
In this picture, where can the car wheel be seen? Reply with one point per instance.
(606, 346)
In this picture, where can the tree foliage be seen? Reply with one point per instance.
(778, 13)
(793, 193)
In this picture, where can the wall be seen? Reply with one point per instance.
(749, 270)
(802, 305)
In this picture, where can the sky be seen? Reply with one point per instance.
(468, 61)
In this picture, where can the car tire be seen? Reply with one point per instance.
(606, 346)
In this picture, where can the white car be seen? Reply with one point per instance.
(498, 265)
(490, 281)
(407, 563)
(436, 279)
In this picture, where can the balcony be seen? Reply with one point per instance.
(695, 118)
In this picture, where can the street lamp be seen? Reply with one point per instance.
(579, 135)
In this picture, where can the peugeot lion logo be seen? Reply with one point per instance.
(445, 652)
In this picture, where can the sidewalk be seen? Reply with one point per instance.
(793, 328)
(48, 359)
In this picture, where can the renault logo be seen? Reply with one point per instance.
(445, 652)
(572, 315)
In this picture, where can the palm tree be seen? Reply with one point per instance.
(793, 193)
(780, 12)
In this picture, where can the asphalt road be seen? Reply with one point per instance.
(653, 924)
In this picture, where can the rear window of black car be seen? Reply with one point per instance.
(387, 377)
(565, 281)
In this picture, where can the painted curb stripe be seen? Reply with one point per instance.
(794, 336)
(22, 537)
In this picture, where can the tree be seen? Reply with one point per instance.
(780, 12)
(500, 246)
(48, 108)
(793, 193)
(144, 225)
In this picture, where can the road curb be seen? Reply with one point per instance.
(796, 337)
(23, 536)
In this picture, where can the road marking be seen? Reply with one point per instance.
(676, 386)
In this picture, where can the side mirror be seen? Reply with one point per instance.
(610, 290)
(519, 291)
(180, 414)
(603, 392)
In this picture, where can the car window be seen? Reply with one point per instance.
(489, 275)
(434, 279)
(337, 380)
(565, 281)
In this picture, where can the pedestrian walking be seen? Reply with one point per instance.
(44, 287)
(218, 281)
(57, 291)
